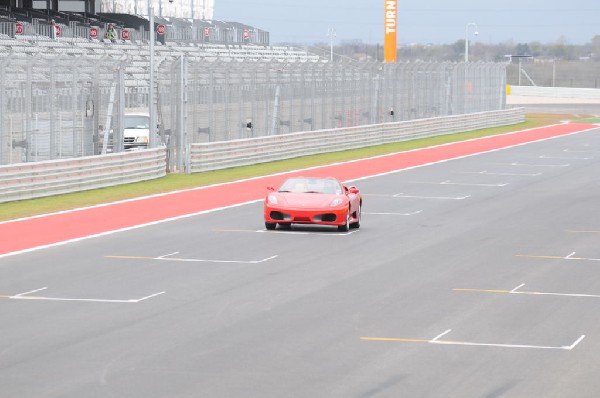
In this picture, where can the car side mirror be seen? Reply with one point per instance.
(353, 190)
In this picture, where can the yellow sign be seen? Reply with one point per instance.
(390, 30)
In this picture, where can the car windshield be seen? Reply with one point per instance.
(312, 185)
(136, 122)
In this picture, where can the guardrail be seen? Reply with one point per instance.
(34, 180)
(39, 179)
(555, 92)
(220, 155)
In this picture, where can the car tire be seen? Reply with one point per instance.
(346, 226)
(356, 224)
(270, 225)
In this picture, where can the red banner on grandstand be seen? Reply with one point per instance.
(207, 31)
(161, 29)
(246, 34)
(125, 34)
(58, 30)
(93, 33)
(19, 28)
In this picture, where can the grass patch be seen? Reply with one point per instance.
(589, 120)
(174, 182)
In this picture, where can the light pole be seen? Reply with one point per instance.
(151, 113)
(473, 24)
(331, 35)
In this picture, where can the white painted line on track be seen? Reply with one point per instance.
(395, 214)
(192, 260)
(30, 292)
(518, 287)
(562, 157)
(467, 343)
(23, 296)
(148, 297)
(580, 151)
(439, 336)
(569, 257)
(487, 173)
(168, 255)
(449, 182)
(538, 165)
(401, 195)
(527, 293)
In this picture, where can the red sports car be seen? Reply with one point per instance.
(306, 200)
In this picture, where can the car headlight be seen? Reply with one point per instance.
(142, 139)
(273, 199)
(336, 202)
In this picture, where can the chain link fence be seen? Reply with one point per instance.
(63, 107)
(55, 108)
(221, 101)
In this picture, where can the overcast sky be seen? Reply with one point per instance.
(426, 21)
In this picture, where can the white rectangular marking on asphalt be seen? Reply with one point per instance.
(568, 348)
(23, 296)
(467, 343)
(526, 293)
(487, 173)
(562, 157)
(539, 165)
(395, 214)
(401, 195)
(449, 182)
(200, 260)
(579, 151)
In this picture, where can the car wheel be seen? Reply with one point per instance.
(356, 224)
(346, 226)
(270, 225)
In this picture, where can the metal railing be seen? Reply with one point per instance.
(219, 155)
(556, 92)
(35, 180)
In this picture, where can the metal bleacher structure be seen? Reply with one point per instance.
(27, 32)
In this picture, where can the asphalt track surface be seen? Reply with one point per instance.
(472, 277)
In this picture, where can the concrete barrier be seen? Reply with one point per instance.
(34, 180)
(220, 155)
(555, 93)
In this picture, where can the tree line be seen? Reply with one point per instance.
(560, 50)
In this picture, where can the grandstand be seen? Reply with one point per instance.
(29, 32)
(45, 32)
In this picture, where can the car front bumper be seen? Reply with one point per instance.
(286, 215)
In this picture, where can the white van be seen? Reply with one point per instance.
(136, 131)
